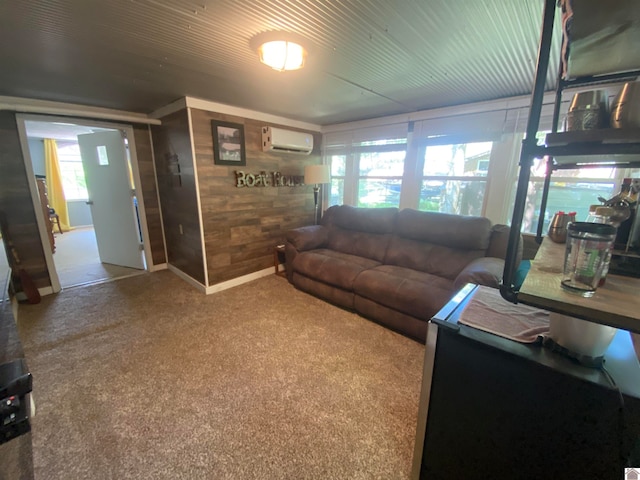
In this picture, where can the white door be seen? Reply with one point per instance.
(111, 198)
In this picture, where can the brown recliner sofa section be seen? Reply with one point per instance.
(396, 267)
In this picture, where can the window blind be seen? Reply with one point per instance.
(351, 140)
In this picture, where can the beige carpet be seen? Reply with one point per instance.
(146, 378)
(78, 262)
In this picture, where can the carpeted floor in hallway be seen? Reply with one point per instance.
(78, 262)
(147, 378)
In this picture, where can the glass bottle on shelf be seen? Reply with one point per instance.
(628, 197)
(605, 215)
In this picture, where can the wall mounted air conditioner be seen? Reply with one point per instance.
(280, 140)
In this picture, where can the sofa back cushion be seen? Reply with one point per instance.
(455, 231)
(361, 231)
(370, 220)
(438, 243)
(500, 240)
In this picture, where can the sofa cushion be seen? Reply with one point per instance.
(372, 246)
(482, 271)
(336, 295)
(331, 267)
(370, 220)
(308, 238)
(500, 241)
(455, 231)
(430, 258)
(418, 294)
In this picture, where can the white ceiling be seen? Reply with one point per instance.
(367, 58)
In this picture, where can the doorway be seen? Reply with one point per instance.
(102, 237)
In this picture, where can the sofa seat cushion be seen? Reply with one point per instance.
(414, 293)
(331, 267)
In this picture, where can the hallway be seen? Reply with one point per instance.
(78, 262)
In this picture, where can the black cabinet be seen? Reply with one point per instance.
(16, 454)
(498, 409)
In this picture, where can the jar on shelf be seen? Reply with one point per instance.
(587, 251)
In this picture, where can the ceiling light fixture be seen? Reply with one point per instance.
(282, 55)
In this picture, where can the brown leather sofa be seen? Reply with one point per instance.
(396, 267)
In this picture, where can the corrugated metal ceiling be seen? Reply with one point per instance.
(367, 58)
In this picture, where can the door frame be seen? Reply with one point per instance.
(26, 156)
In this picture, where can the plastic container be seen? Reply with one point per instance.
(587, 250)
(579, 336)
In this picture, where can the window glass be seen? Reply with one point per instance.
(379, 193)
(337, 191)
(452, 196)
(382, 164)
(470, 159)
(569, 191)
(72, 173)
(380, 179)
(441, 191)
(338, 165)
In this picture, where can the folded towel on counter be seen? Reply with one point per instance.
(489, 312)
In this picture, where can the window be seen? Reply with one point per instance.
(367, 166)
(73, 182)
(454, 177)
(462, 161)
(569, 191)
(338, 165)
(380, 169)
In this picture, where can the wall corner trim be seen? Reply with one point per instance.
(158, 267)
(190, 280)
(218, 287)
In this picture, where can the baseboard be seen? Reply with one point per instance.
(158, 267)
(187, 278)
(45, 291)
(218, 287)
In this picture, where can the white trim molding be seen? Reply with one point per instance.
(466, 109)
(200, 104)
(187, 278)
(219, 287)
(234, 282)
(157, 268)
(30, 105)
(194, 159)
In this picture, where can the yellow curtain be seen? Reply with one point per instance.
(57, 201)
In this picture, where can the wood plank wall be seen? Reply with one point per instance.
(15, 201)
(242, 225)
(178, 196)
(144, 153)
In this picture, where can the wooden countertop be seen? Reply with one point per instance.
(616, 303)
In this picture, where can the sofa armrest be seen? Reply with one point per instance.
(308, 238)
(482, 271)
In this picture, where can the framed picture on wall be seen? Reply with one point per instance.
(228, 143)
